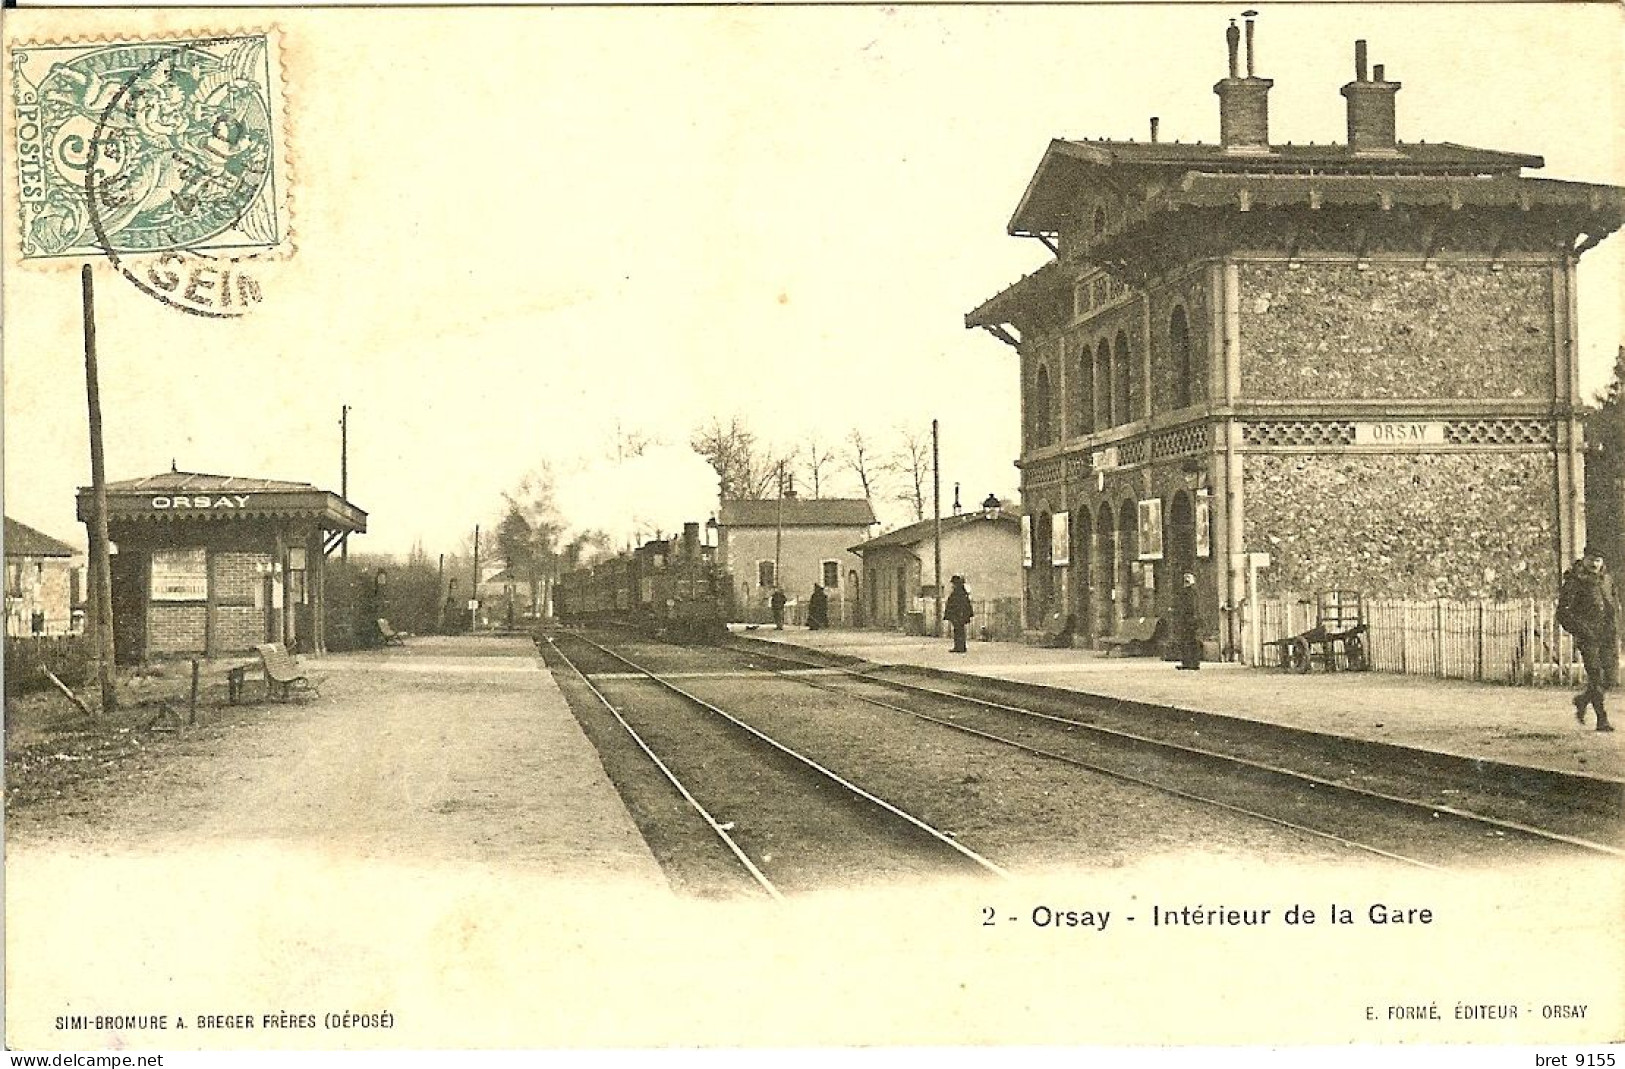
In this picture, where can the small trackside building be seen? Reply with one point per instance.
(1335, 366)
(984, 547)
(215, 564)
(792, 543)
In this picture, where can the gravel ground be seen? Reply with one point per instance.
(1021, 811)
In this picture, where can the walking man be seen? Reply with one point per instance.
(1587, 609)
(958, 612)
(776, 602)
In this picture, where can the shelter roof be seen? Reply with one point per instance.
(24, 541)
(915, 533)
(798, 512)
(192, 496)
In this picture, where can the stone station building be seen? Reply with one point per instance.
(1296, 368)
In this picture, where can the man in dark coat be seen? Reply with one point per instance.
(818, 609)
(1187, 630)
(958, 612)
(776, 603)
(1588, 610)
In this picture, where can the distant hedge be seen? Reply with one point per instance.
(71, 657)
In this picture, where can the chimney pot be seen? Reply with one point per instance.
(1232, 38)
(1377, 73)
(1359, 61)
(1249, 44)
(1153, 129)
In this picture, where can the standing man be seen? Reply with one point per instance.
(818, 609)
(1187, 631)
(1587, 609)
(958, 612)
(776, 602)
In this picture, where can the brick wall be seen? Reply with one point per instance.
(237, 578)
(1334, 331)
(1191, 295)
(1462, 525)
(176, 628)
(238, 628)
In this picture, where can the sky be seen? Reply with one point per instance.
(519, 234)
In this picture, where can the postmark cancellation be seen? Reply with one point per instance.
(139, 148)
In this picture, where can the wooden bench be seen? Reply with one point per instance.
(391, 636)
(1138, 637)
(282, 669)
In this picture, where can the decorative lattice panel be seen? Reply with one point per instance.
(1042, 473)
(1298, 432)
(1182, 442)
(1134, 452)
(1498, 432)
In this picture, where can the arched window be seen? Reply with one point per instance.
(1120, 380)
(1042, 423)
(1184, 370)
(1100, 220)
(1103, 375)
(1085, 405)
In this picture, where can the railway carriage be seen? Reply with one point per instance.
(669, 587)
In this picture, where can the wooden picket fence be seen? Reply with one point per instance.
(1513, 642)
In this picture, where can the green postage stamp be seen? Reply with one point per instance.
(149, 147)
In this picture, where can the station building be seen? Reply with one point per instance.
(216, 564)
(898, 577)
(792, 543)
(1296, 368)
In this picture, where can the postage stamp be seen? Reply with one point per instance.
(148, 148)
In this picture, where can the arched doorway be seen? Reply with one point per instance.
(1128, 553)
(1082, 561)
(1179, 543)
(1105, 567)
(1041, 576)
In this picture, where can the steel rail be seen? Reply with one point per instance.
(1312, 780)
(715, 826)
(940, 836)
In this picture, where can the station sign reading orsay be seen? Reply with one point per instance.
(1399, 432)
(200, 501)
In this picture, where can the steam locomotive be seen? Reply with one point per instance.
(669, 588)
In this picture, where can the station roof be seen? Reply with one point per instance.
(915, 533)
(798, 512)
(23, 541)
(193, 496)
(1066, 164)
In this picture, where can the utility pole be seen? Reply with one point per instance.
(778, 536)
(936, 524)
(474, 591)
(440, 595)
(100, 562)
(344, 474)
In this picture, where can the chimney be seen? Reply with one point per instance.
(691, 541)
(1244, 127)
(1153, 129)
(1371, 109)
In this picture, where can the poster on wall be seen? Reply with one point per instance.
(180, 575)
(1026, 541)
(1151, 529)
(1204, 524)
(1060, 538)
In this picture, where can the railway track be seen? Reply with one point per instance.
(1359, 818)
(754, 809)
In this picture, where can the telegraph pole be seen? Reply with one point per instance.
(778, 535)
(936, 525)
(474, 591)
(100, 563)
(344, 474)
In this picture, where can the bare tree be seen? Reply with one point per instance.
(816, 460)
(914, 461)
(746, 470)
(861, 460)
(626, 444)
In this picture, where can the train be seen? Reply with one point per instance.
(667, 588)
